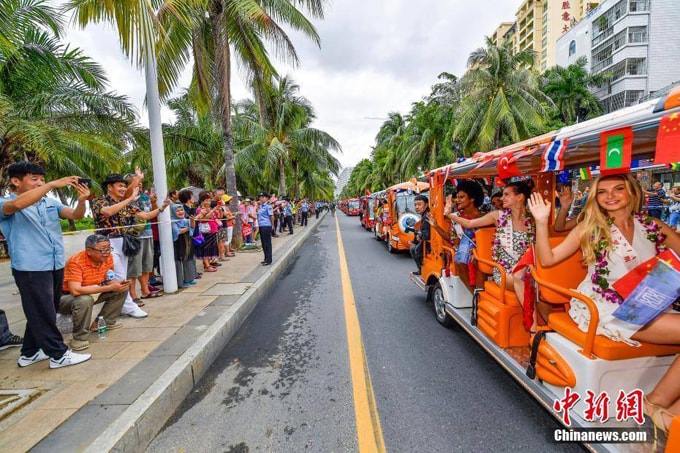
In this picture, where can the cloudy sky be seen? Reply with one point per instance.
(376, 57)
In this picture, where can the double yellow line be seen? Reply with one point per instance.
(365, 409)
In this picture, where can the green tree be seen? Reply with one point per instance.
(569, 90)
(54, 107)
(503, 101)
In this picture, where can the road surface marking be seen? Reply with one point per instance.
(365, 409)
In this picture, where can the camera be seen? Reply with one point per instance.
(86, 181)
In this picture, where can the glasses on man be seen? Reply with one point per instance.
(104, 251)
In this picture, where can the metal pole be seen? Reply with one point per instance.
(159, 178)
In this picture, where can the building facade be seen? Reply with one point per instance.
(539, 24)
(635, 41)
(343, 179)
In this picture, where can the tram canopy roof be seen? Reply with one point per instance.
(583, 141)
(415, 186)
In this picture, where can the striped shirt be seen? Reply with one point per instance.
(80, 268)
(654, 201)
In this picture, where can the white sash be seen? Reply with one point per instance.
(505, 234)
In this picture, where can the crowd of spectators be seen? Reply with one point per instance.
(119, 265)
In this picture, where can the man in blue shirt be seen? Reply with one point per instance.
(30, 222)
(265, 219)
(304, 208)
(288, 215)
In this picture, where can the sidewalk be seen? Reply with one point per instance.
(140, 374)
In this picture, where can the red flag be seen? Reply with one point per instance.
(626, 284)
(668, 140)
(616, 151)
(507, 167)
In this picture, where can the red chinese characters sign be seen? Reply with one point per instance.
(566, 17)
(628, 406)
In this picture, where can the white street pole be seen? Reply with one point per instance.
(159, 178)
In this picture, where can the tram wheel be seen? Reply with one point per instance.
(438, 301)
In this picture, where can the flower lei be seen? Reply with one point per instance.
(501, 227)
(599, 277)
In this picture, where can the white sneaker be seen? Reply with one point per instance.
(69, 358)
(136, 313)
(37, 357)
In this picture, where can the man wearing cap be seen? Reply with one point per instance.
(265, 219)
(30, 222)
(114, 211)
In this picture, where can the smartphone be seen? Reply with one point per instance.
(86, 181)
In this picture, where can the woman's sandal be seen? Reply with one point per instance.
(139, 302)
(210, 269)
(660, 424)
(152, 295)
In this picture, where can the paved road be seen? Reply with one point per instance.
(283, 383)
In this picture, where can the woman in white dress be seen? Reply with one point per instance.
(615, 238)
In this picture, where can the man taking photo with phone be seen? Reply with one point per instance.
(30, 222)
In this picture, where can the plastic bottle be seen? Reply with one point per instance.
(101, 328)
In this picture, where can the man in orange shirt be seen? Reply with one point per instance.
(88, 273)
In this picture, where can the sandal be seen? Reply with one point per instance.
(650, 408)
(152, 295)
(210, 269)
(658, 418)
(139, 302)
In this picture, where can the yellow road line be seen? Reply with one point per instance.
(365, 409)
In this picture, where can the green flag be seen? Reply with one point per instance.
(615, 151)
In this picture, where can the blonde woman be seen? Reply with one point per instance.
(615, 238)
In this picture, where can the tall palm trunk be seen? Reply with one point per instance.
(223, 80)
(282, 177)
(296, 173)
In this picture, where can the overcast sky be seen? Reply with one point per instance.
(376, 57)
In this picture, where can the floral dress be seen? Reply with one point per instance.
(510, 245)
(623, 258)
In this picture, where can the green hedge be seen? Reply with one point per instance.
(86, 223)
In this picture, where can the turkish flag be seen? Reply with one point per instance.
(668, 140)
(616, 151)
(507, 167)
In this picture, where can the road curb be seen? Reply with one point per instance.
(136, 427)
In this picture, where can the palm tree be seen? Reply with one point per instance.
(282, 136)
(569, 89)
(503, 101)
(54, 107)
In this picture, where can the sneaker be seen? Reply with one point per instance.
(37, 357)
(116, 325)
(191, 283)
(13, 342)
(136, 313)
(69, 358)
(79, 345)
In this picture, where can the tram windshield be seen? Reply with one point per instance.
(354, 204)
(405, 203)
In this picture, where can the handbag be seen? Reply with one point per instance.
(204, 228)
(198, 239)
(246, 230)
(131, 245)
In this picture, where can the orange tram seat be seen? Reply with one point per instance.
(553, 283)
(499, 313)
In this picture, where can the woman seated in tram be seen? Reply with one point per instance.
(615, 238)
(469, 198)
(514, 234)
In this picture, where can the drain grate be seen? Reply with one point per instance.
(13, 400)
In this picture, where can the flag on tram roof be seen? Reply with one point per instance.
(668, 139)
(507, 166)
(616, 150)
(553, 156)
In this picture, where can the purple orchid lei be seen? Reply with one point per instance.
(599, 277)
(497, 247)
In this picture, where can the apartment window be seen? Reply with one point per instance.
(572, 48)
(639, 5)
(544, 43)
(637, 34)
(544, 54)
(637, 66)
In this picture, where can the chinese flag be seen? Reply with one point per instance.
(507, 167)
(616, 150)
(626, 284)
(668, 140)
